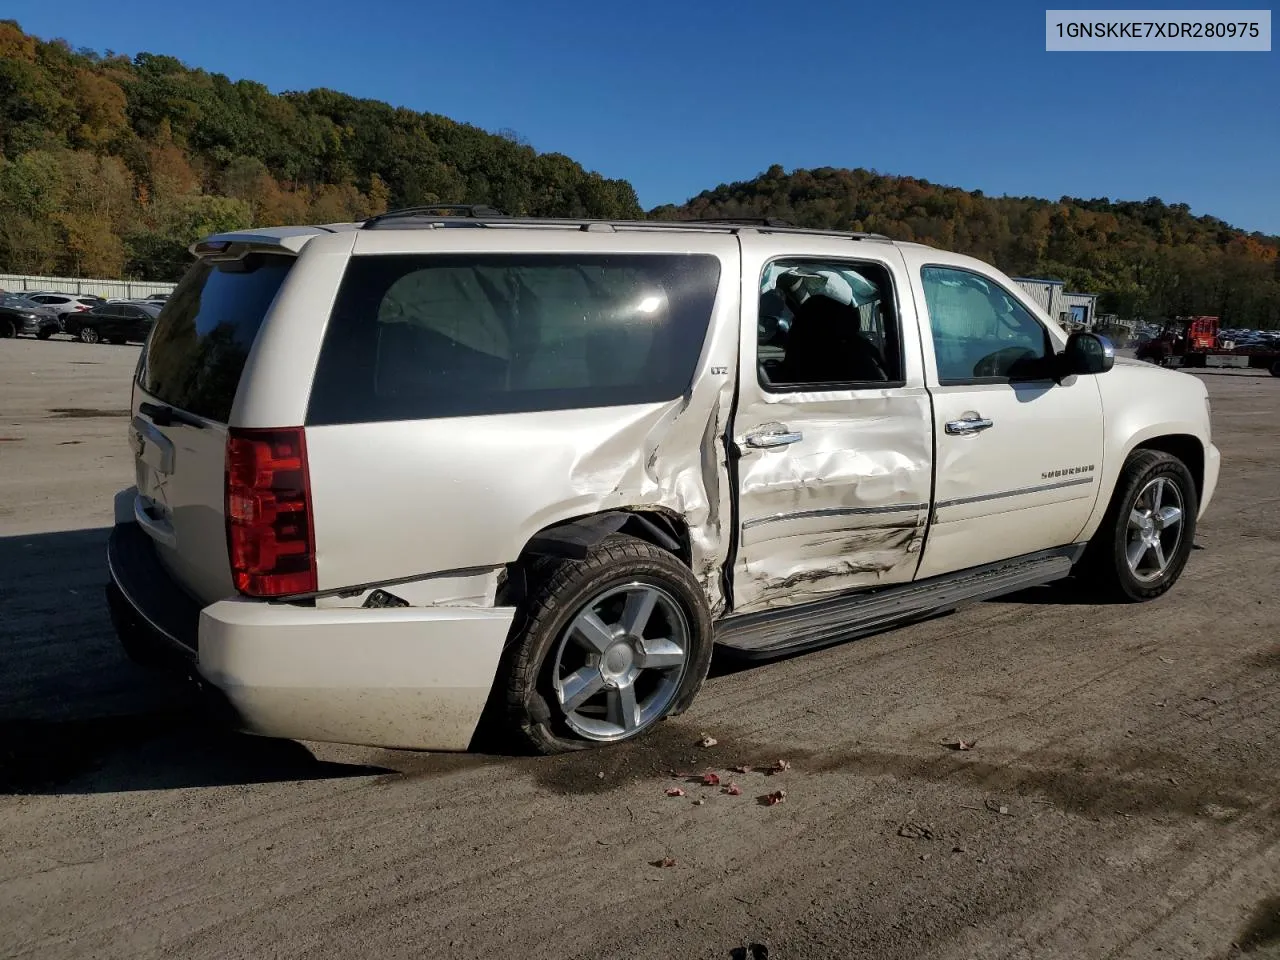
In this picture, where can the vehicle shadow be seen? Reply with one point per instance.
(1063, 593)
(77, 717)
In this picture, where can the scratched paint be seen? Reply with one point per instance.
(843, 508)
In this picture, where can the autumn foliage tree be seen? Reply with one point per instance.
(113, 166)
(1147, 258)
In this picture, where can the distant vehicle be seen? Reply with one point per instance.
(1198, 342)
(159, 297)
(64, 303)
(113, 322)
(19, 315)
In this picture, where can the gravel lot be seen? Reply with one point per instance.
(1123, 798)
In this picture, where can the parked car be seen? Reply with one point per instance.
(64, 303)
(113, 322)
(396, 483)
(19, 315)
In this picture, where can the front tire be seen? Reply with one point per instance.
(608, 646)
(44, 333)
(7, 329)
(1275, 369)
(88, 334)
(1146, 536)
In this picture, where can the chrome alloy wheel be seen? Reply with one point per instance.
(1155, 529)
(620, 661)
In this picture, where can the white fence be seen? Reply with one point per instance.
(125, 289)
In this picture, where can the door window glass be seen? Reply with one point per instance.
(827, 323)
(980, 332)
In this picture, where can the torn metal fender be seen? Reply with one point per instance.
(576, 538)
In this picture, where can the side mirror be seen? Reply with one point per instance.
(1086, 353)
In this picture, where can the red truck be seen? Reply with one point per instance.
(1194, 342)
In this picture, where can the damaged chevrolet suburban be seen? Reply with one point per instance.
(403, 480)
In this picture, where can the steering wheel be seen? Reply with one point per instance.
(998, 364)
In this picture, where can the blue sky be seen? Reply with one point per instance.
(680, 97)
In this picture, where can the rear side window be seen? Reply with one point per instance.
(416, 337)
(197, 351)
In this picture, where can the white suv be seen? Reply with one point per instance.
(399, 477)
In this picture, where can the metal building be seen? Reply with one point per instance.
(1079, 310)
(1048, 293)
(1083, 308)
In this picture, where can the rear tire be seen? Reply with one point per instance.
(565, 692)
(1275, 369)
(1146, 536)
(7, 329)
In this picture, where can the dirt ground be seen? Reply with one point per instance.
(1122, 799)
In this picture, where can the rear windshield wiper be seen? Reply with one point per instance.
(163, 415)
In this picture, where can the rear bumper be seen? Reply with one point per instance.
(413, 677)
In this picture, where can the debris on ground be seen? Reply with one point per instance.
(707, 741)
(600, 775)
(779, 766)
(773, 799)
(960, 744)
(675, 791)
(699, 802)
(664, 862)
(996, 807)
(915, 831)
(732, 790)
(741, 769)
(752, 951)
(711, 779)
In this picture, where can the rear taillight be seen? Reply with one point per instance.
(270, 540)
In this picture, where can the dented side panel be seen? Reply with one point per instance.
(468, 493)
(845, 506)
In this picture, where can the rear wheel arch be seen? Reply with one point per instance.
(574, 538)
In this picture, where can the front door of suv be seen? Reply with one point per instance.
(1018, 453)
(832, 430)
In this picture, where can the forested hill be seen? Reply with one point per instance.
(111, 166)
(1149, 258)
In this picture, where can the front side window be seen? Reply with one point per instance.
(827, 324)
(422, 336)
(980, 332)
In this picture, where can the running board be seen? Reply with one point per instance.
(833, 620)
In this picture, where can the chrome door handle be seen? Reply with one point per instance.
(774, 439)
(967, 428)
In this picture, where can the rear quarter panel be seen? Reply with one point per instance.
(406, 499)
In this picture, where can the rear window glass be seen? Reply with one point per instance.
(202, 337)
(415, 337)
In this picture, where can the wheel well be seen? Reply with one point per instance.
(1186, 448)
(573, 539)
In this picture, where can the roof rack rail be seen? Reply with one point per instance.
(739, 221)
(474, 211)
(479, 215)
